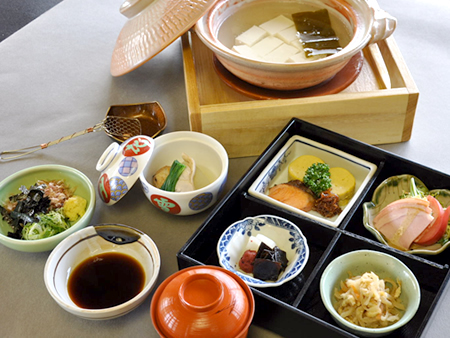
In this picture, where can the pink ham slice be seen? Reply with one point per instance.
(402, 221)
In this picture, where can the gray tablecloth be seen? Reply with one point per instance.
(55, 80)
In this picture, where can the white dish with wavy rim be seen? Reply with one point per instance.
(389, 191)
(276, 172)
(284, 233)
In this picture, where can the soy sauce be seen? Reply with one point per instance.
(106, 280)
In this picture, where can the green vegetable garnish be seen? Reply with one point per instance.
(446, 236)
(49, 224)
(317, 178)
(414, 191)
(176, 170)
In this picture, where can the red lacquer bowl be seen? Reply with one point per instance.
(202, 301)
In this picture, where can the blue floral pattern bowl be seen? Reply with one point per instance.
(284, 233)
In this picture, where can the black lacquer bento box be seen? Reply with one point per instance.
(296, 307)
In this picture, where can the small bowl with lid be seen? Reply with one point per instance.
(191, 302)
(150, 160)
(84, 272)
(211, 171)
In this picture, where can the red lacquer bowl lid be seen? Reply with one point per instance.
(202, 301)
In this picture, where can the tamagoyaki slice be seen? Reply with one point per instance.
(298, 167)
(342, 184)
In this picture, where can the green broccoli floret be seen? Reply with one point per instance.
(317, 178)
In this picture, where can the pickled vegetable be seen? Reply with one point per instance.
(247, 260)
(316, 34)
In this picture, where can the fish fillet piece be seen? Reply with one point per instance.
(402, 221)
(293, 193)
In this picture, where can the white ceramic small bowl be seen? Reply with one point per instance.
(90, 242)
(284, 233)
(212, 169)
(276, 172)
(355, 21)
(27, 177)
(385, 266)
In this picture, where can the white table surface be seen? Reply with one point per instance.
(55, 80)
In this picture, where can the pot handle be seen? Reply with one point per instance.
(384, 23)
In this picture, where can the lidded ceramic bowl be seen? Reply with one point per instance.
(202, 301)
(211, 160)
(141, 157)
(356, 22)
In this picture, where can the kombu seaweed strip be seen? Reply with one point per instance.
(316, 34)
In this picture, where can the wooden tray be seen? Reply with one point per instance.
(378, 107)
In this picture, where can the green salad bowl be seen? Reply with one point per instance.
(28, 177)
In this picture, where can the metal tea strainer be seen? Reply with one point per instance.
(119, 126)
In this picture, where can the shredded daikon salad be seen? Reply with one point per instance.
(368, 302)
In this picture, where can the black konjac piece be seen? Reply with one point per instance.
(269, 263)
(265, 269)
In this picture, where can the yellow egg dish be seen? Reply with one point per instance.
(342, 184)
(298, 167)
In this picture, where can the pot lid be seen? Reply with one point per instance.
(152, 26)
(121, 165)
